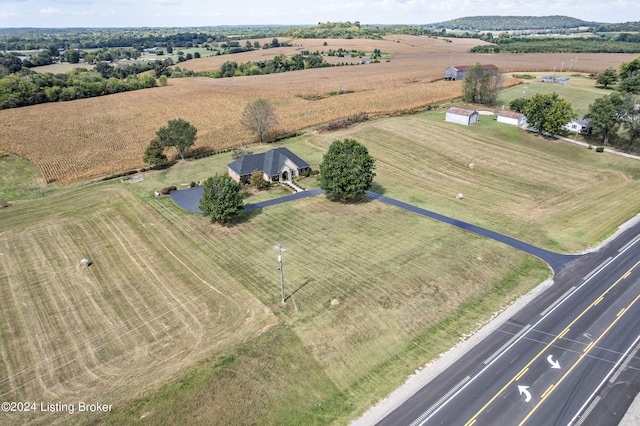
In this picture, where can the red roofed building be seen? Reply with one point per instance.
(510, 117)
(461, 116)
(459, 72)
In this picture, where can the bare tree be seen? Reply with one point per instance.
(259, 116)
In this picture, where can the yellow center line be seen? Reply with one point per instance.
(591, 346)
(539, 354)
(547, 392)
(524, 370)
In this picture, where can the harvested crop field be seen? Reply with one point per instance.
(72, 141)
(149, 306)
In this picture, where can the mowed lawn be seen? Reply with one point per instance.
(547, 192)
(373, 292)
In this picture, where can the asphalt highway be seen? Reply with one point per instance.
(569, 357)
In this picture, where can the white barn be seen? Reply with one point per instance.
(510, 117)
(461, 116)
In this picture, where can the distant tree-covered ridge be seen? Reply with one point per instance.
(623, 43)
(508, 23)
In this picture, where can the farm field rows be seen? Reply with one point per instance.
(149, 307)
(77, 140)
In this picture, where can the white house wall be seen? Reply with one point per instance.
(455, 118)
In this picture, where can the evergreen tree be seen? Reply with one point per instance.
(154, 154)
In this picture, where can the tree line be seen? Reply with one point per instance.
(280, 63)
(27, 87)
(527, 44)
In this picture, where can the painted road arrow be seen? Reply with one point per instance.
(523, 390)
(554, 364)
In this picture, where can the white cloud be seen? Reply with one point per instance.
(50, 11)
(333, 7)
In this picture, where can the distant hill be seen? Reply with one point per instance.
(506, 23)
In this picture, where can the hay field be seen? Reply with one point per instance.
(72, 141)
(549, 193)
(151, 305)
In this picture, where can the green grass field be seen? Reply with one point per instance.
(179, 320)
(580, 91)
(20, 179)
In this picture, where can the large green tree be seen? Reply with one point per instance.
(547, 112)
(347, 169)
(154, 153)
(259, 117)
(607, 113)
(481, 85)
(632, 127)
(221, 198)
(629, 69)
(607, 77)
(178, 133)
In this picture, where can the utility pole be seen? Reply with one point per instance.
(280, 251)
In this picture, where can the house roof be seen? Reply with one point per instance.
(510, 114)
(468, 67)
(461, 111)
(269, 162)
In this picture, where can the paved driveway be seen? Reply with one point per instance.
(189, 199)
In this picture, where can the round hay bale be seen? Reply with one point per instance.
(472, 166)
(459, 196)
(85, 262)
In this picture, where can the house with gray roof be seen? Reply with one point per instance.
(278, 164)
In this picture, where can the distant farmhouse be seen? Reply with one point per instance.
(554, 79)
(579, 125)
(510, 117)
(277, 165)
(459, 72)
(461, 116)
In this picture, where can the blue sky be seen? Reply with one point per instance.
(180, 13)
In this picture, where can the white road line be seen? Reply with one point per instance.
(551, 306)
(426, 416)
(495, 354)
(586, 277)
(606, 377)
(445, 396)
